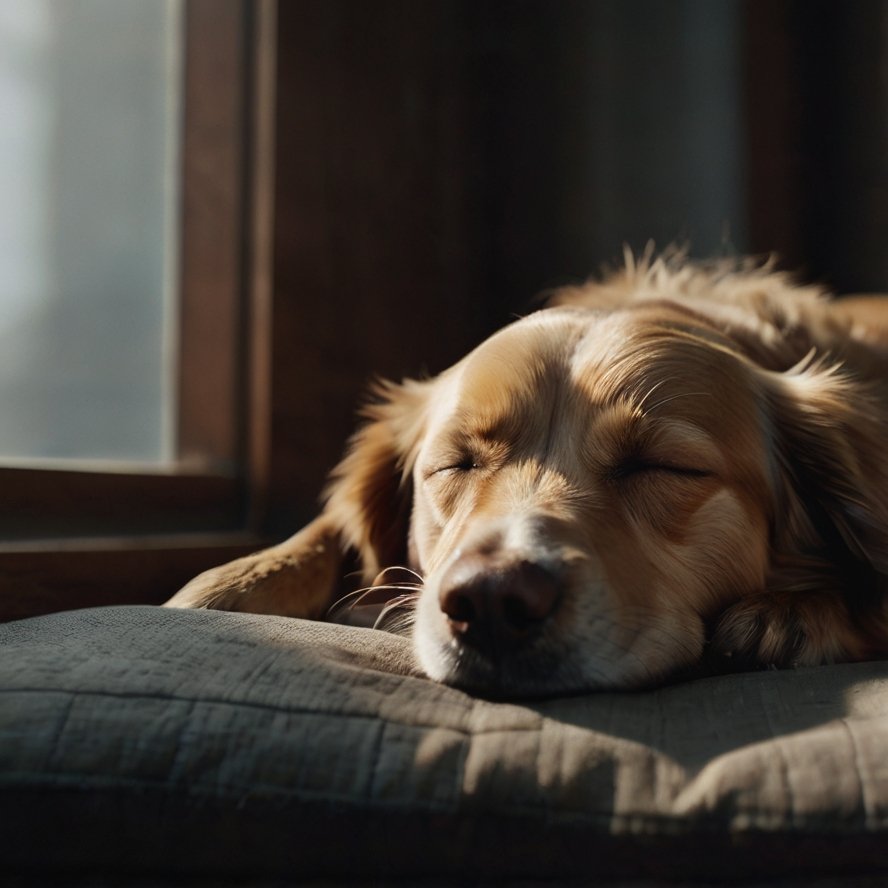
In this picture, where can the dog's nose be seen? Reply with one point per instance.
(494, 606)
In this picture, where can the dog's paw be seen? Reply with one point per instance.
(293, 579)
(226, 587)
(781, 629)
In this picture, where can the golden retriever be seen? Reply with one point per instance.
(677, 461)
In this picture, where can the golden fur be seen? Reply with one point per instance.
(677, 462)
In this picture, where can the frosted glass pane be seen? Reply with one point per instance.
(89, 132)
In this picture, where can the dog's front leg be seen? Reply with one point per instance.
(296, 578)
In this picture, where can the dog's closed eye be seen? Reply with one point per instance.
(455, 466)
(640, 466)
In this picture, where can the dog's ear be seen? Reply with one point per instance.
(368, 498)
(367, 510)
(824, 595)
(831, 451)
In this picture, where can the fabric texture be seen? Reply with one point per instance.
(140, 740)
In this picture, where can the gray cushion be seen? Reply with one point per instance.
(177, 743)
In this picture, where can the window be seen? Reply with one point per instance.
(89, 157)
(131, 163)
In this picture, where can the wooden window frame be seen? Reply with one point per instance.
(85, 535)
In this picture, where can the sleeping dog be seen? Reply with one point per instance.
(673, 462)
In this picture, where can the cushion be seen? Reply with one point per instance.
(168, 743)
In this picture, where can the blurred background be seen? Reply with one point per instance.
(432, 166)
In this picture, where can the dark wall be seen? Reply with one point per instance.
(817, 112)
(604, 124)
(441, 162)
(379, 265)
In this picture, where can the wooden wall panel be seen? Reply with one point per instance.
(376, 217)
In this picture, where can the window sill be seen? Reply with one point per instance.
(41, 576)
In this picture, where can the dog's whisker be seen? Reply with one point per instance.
(379, 593)
(674, 397)
(399, 614)
(657, 385)
(395, 624)
(380, 577)
(359, 597)
(343, 604)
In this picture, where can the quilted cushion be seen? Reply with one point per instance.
(144, 741)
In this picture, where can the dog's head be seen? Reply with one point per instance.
(591, 495)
